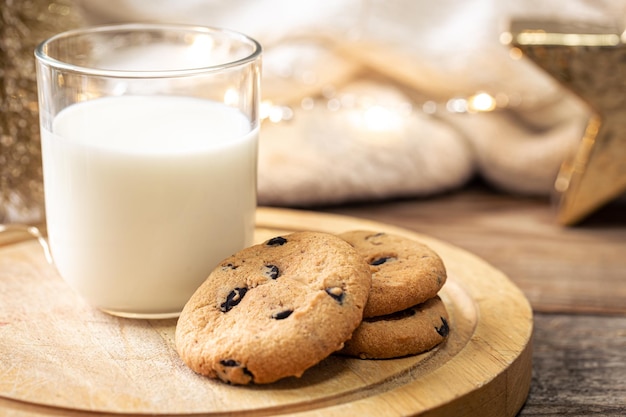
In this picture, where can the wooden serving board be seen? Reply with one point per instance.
(59, 356)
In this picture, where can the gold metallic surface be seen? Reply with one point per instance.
(590, 61)
(23, 24)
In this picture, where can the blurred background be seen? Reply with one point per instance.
(362, 100)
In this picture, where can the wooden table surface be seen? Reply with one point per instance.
(574, 278)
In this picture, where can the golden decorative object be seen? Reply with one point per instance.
(590, 61)
(23, 24)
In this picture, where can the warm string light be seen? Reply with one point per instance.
(363, 107)
(376, 116)
(477, 103)
(380, 118)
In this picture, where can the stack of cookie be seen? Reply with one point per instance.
(276, 309)
(403, 315)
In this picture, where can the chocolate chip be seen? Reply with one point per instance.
(444, 329)
(229, 362)
(282, 314)
(380, 261)
(336, 293)
(272, 271)
(246, 371)
(229, 266)
(233, 299)
(276, 241)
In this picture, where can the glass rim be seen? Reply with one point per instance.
(44, 58)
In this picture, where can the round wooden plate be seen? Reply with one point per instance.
(58, 356)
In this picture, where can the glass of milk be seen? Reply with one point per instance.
(149, 138)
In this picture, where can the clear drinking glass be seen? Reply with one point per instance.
(149, 146)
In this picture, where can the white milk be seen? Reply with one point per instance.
(145, 195)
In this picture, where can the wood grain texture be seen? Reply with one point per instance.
(560, 269)
(58, 356)
(579, 366)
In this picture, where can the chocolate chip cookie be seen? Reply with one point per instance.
(274, 309)
(404, 272)
(408, 332)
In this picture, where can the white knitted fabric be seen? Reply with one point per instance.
(422, 54)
